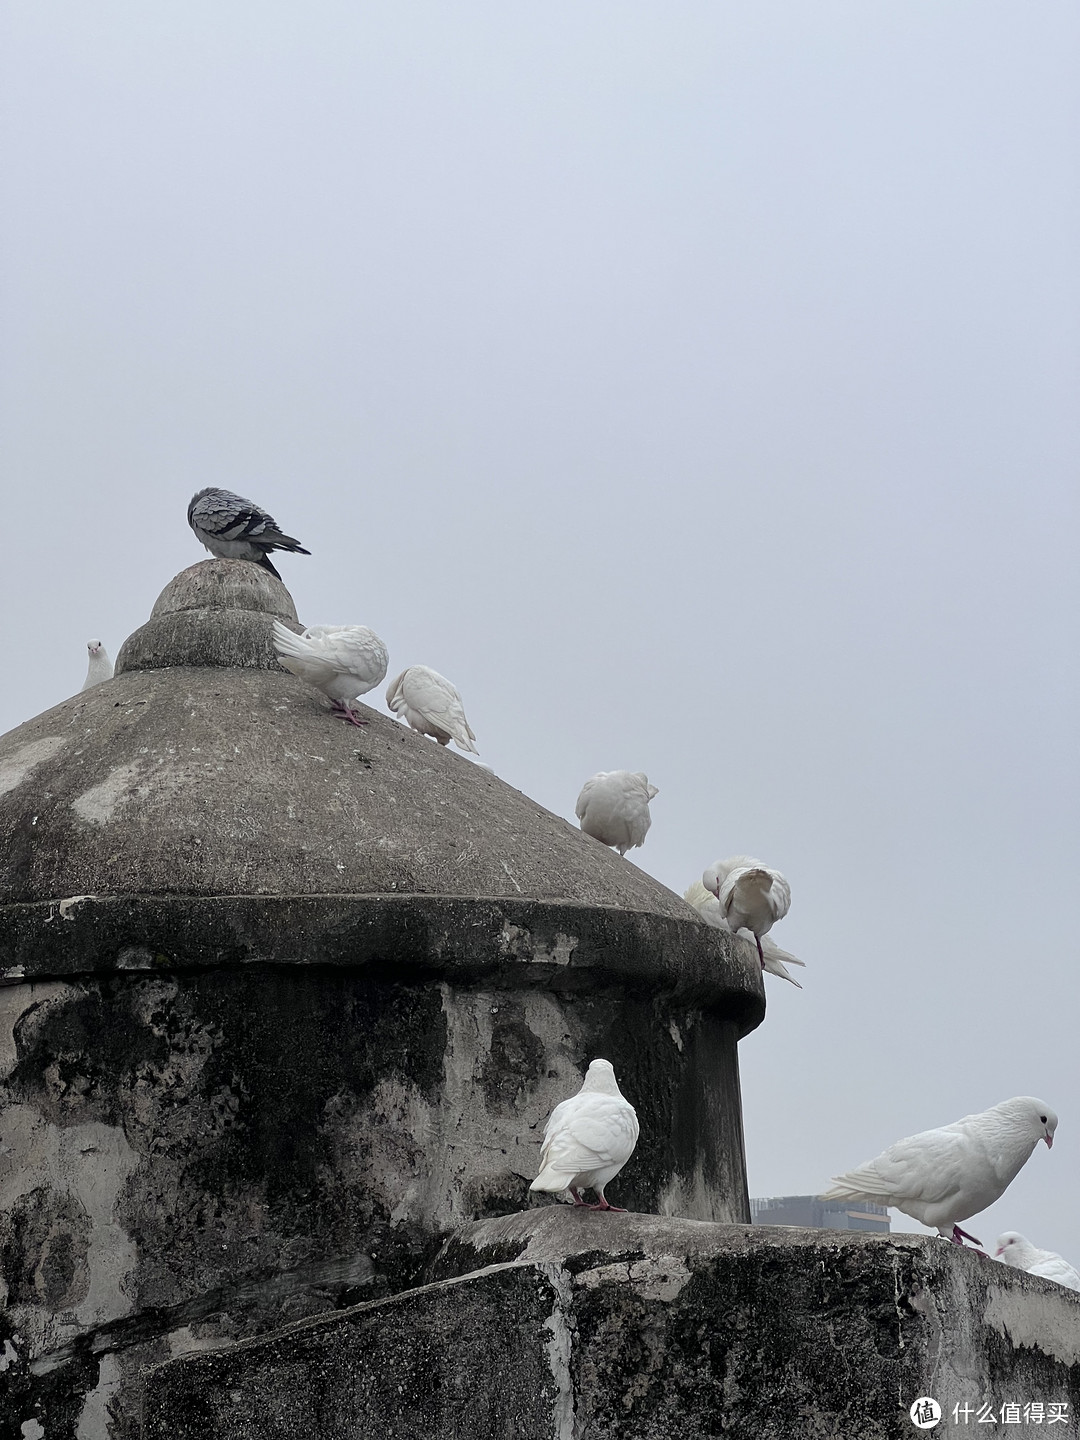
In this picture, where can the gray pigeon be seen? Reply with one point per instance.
(233, 528)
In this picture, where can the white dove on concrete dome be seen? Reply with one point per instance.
(1016, 1250)
(940, 1177)
(233, 528)
(613, 807)
(773, 959)
(100, 666)
(431, 705)
(588, 1138)
(343, 661)
(752, 897)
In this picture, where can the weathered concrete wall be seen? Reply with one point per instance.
(287, 1000)
(607, 1327)
(195, 1156)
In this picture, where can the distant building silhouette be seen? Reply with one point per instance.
(819, 1214)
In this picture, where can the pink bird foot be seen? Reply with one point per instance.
(344, 713)
(959, 1236)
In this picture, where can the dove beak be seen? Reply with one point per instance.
(999, 1252)
(1049, 1140)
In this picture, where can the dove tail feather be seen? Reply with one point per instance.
(267, 564)
(551, 1179)
(858, 1185)
(287, 643)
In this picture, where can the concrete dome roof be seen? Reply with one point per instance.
(204, 769)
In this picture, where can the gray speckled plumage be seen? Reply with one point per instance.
(233, 528)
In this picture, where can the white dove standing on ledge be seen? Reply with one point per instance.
(588, 1138)
(752, 897)
(773, 959)
(233, 528)
(613, 807)
(1019, 1252)
(343, 661)
(100, 667)
(430, 704)
(940, 1177)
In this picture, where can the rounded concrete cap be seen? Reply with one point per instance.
(216, 613)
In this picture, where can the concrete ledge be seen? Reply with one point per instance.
(639, 1327)
(559, 946)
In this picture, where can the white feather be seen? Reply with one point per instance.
(589, 1137)
(613, 807)
(100, 667)
(752, 897)
(774, 960)
(432, 705)
(343, 661)
(1015, 1250)
(942, 1176)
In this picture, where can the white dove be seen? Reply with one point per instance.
(588, 1138)
(100, 667)
(773, 959)
(233, 528)
(752, 897)
(430, 704)
(940, 1177)
(1015, 1250)
(343, 661)
(613, 807)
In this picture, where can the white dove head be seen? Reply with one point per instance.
(93, 646)
(1010, 1248)
(601, 1076)
(1033, 1117)
(714, 876)
(650, 790)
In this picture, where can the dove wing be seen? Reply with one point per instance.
(585, 796)
(1053, 1267)
(602, 1131)
(925, 1169)
(302, 656)
(350, 650)
(438, 702)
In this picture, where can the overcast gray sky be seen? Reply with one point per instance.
(694, 384)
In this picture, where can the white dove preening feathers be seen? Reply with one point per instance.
(752, 897)
(430, 704)
(588, 1138)
(940, 1177)
(343, 661)
(233, 528)
(773, 959)
(613, 807)
(1015, 1250)
(100, 667)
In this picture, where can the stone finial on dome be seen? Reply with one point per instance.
(215, 613)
